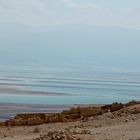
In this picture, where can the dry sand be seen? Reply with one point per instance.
(120, 125)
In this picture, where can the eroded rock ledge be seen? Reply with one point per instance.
(73, 114)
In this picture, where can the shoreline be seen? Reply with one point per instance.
(114, 121)
(9, 110)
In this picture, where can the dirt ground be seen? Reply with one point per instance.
(120, 125)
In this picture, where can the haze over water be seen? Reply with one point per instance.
(70, 52)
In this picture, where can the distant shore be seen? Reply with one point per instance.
(9, 110)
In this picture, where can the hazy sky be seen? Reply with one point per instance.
(124, 13)
(101, 32)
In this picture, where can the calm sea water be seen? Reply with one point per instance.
(84, 86)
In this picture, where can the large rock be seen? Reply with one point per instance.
(35, 121)
(116, 106)
(72, 116)
(2, 123)
(10, 122)
(87, 112)
(55, 117)
(71, 111)
(106, 108)
(62, 118)
(52, 118)
(20, 122)
(30, 115)
(131, 103)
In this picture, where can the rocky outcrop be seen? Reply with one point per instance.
(127, 111)
(133, 102)
(15, 122)
(10, 122)
(72, 111)
(30, 115)
(35, 121)
(52, 118)
(87, 112)
(76, 113)
(106, 108)
(116, 106)
(20, 122)
(2, 124)
(72, 114)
